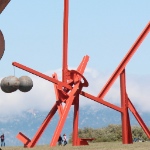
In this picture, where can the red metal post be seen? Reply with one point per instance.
(75, 122)
(126, 128)
(65, 41)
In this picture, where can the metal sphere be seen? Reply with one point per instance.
(9, 84)
(26, 84)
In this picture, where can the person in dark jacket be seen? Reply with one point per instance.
(2, 140)
(60, 140)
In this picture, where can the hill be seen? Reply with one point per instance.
(28, 122)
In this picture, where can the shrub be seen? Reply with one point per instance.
(110, 133)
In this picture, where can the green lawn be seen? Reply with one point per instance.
(92, 146)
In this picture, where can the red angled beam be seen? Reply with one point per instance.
(41, 75)
(59, 104)
(73, 99)
(101, 101)
(138, 118)
(43, 126)
(31, 143)
(3, 4)
(62, 120)
(125, 61)
(83, 64)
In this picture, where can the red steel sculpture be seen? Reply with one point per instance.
(70, 88)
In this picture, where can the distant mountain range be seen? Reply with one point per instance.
(29, 121)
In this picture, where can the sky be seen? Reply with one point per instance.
(104, 30)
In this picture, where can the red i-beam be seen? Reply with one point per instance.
(70, 88)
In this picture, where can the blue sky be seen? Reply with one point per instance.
(104, 30)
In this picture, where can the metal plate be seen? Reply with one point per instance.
(3, 4)
(2, 44)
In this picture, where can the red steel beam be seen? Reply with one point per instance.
(81, 69)
(59, 104)
(41, 75)
(83, 64)
(138, 118)
(125, 61)
(43, 126)
(100, 100)
(62, 120)
(3, 4)
(2, 45)
(75, 122)
(75, 138)
(73, 97)
(65, 41)
(31, 143)
(126, 127)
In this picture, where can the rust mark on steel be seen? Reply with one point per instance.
(2, 44)
(3, 4)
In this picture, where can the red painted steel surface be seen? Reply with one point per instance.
(65, 41)
(125, 61)
(3, 4)
(62, 84)
(138, 118)
(68, 91)
(2, 44)
(126, 128)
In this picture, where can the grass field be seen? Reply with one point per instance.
(92, 146)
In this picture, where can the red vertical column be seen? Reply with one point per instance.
(75, 122)
(126, 128)
(65, 41)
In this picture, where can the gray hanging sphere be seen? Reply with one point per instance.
(9, 84)
(26, 84)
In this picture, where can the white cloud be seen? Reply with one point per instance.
(137, 86)
(42, 95)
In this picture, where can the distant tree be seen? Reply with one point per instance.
(110, 133)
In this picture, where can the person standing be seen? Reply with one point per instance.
(65, 139)
(2, 140)
(60, 141)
